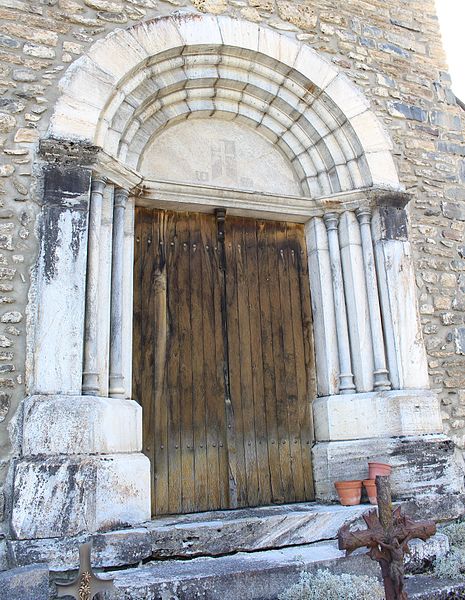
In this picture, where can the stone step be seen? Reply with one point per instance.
(424, 587)
(203, 534)
(261, 575)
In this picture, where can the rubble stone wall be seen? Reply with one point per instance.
(391, 50)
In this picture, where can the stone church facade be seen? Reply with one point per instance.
(335, 119)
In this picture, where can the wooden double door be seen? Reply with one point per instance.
(223, 360)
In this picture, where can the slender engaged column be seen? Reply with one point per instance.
(90, 379)
(346, 377)
(381, 374)
(319, 268)
(116, 315)
(355, 294)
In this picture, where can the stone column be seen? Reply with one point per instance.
(55, 365)
(324, 324)
(80, 469)
(117, 389)
(90, 379)
(356, 301)
(404, 342)
(381, 379)
(346, 378)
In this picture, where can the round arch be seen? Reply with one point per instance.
(157, 73)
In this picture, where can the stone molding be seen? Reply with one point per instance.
(125, 61)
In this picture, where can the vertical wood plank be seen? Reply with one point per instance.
(277, 322)
(198, 379)
(261, 433)
(173, 367)
(267, 287)
(310, 367)
(235, 373)
(214, 387)
(299, 424)
(185, 367)
(147, 348)
(159, 304)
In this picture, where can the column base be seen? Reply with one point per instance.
(81, 468)
(390, 413)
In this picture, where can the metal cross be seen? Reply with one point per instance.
(87, 584)
(387, 538)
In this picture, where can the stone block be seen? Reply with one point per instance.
(112, 549)
(61, 496)
(377, 415)
(55, 425)
(26, 583)
(421, 465)
(346, 95)
(224, 532)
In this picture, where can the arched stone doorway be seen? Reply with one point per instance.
(143, 89)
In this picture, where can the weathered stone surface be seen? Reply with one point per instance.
(26, 583)
(421, 465)
(256, 576)
(376, 414)
(222, 532)
(60, 496)
(55, 425)
(113, 549)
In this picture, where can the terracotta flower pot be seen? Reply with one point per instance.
(349, 492)
(370, 486)
(376, 468)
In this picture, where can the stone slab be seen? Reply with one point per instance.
(424, 587)
(248, 576)
(126, 547)
(422, 465)
(377, 414)
(26, 583)
(81, 425)
(65, 496)
(222, 532)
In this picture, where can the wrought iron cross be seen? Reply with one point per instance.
(87, 584)
(387, 538)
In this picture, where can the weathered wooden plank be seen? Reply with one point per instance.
(145, 354)
(248, 413)
(159, 303)
(290, 363)
(234, 343)
(299, 426)
(172, 367)
(261, 434)
(228, 499)
(277, 318)
(185, 367)
(228, 446)
(214, 387)
(198, 377)
(267, 285)
(310, 368)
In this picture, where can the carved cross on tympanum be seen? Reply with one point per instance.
(87, 584)
(387, 536)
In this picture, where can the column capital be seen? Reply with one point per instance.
(121, 197)
(331, 220)
(98, 183)
(364, 214)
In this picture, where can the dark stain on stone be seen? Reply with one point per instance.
(66, 190)
(393, 223)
